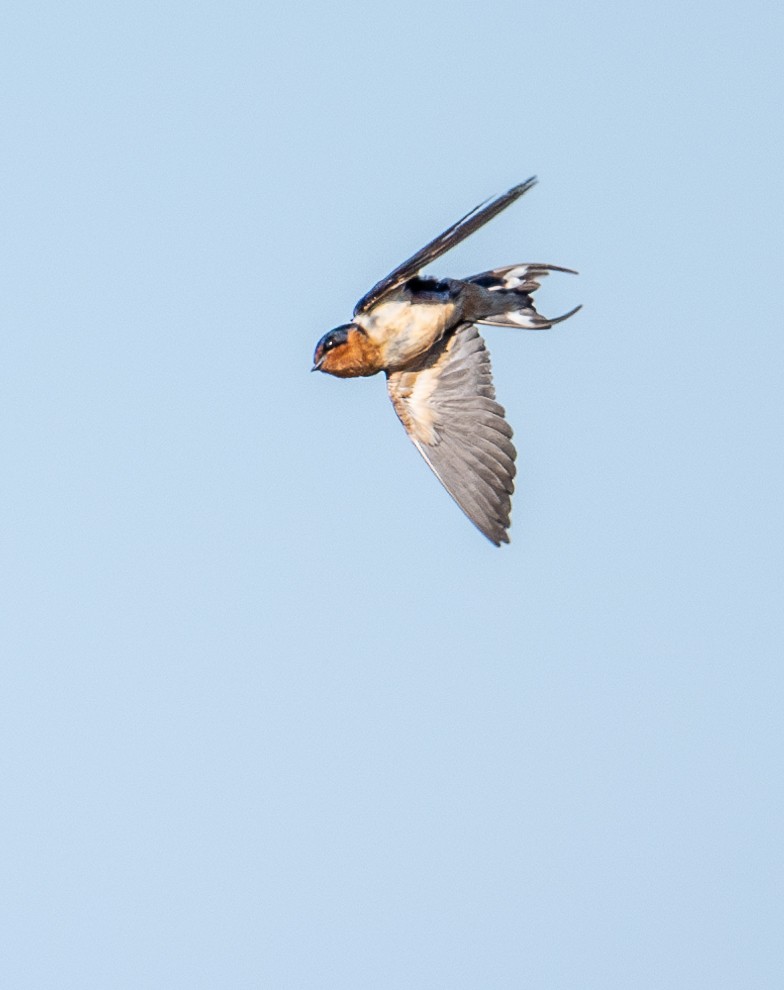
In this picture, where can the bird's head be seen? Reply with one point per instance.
(346, 352)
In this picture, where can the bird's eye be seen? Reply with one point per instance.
(336, 338)
(333, 339)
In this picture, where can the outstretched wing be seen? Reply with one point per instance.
(447, 405)
(472, 221)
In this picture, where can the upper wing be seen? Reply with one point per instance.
(472, 221)
(447, 405)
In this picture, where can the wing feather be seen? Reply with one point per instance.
(447, 405)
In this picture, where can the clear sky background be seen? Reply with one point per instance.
(273, 713)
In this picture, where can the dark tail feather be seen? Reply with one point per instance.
(509, 302)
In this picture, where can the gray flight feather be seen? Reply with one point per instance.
(447, 405)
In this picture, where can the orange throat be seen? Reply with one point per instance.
(357, 358)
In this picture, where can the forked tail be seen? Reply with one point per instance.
(507, 300)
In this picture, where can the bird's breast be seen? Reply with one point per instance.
(403, 330)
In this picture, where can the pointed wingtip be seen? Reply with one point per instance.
(523, 187)
(499, 202)
(516, 192)
(502, 200)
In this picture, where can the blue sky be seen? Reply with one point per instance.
(273, 713)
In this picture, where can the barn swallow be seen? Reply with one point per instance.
(422, 333)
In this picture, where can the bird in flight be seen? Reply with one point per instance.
(422, 333)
